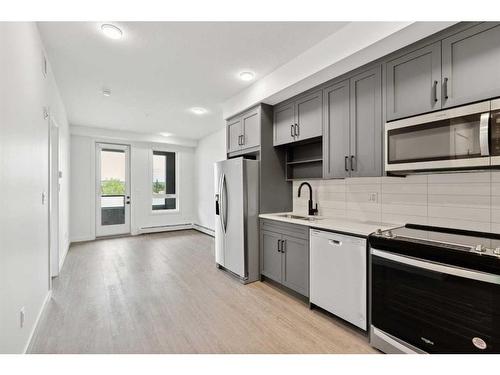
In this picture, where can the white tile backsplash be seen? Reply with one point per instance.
(457, 200)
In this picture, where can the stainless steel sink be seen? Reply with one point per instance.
(299, 217)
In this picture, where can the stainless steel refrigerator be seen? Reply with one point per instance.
(236, 217)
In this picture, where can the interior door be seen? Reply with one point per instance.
(54, 199)
(112, 189)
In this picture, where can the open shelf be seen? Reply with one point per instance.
(305, 161)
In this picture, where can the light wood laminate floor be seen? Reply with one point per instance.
(161, 293)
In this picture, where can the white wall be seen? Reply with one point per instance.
(456, 200)
(24, 253)
(210, 149)
(83, 186)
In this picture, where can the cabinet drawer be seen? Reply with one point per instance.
(293, 230)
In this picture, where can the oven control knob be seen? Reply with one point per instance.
(389, 234)
(378, 232)
(496, 251)
(480, 248)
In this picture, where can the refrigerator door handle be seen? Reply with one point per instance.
(221, 197)
(224, 200)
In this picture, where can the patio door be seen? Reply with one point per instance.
(112, 189)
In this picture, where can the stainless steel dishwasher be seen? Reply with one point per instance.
(338, 275)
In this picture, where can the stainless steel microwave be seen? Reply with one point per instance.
(461, 138)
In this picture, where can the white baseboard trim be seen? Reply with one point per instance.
(35, 326)
(203, 229)
(164, 228)
(82, 239)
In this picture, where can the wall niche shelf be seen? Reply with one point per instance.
(305, 160)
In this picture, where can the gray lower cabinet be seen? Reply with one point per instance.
(471, 65)
(299, 119)
(352, 140)
(284, 254)
(413, 82)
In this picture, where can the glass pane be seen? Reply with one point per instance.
(454, 138)
(113, 187)
(159, 173)
(164, 203)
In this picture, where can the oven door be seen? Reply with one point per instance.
(434, 307)
(456, 138)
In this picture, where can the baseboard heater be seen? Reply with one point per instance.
(165, 228)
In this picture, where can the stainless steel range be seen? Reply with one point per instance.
(435, 290)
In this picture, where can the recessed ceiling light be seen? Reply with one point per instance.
(247, 76)
(106, 92)
(165, 134)
(198, 110)
(111, 31)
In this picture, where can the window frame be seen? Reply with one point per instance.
(160, 209)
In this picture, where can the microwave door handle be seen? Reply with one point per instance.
(484, 134)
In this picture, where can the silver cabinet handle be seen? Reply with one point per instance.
(292, 134)
(345, 163)
(242, 139)
(435, 91)
(278, 247)
(484, 134)
(283, 246)
(296, 130)
(445, 87)
(352, 163)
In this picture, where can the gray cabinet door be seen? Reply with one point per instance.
(234, 132)
(413, 82)
(471, 61)
(295, 273)
(336, 130)
(308, 116)
(283, 124)
(270, 256)
(366, 124)
(250, 123)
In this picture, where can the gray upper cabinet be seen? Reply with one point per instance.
(283, 127)
(336, 99)
(296, 264)
(308, 117)
(471, 65)
(298, 120)
(234, 135)
(243, 131)
(250, 123)
(352, 140)
(366, 124)
(413, 82)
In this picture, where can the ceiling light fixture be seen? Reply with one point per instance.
(165, 134)
(247, 76)
(198, 110)
(111, 31)
(106, 92)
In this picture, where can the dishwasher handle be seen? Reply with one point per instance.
(335, 242)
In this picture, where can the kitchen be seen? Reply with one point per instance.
(362, 187)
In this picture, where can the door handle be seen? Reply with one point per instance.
(242, 139)
(352, 163)
(283, 246)
(127, 201)
(435, 91)
(346, 159)
(278, 246)
(484, 133)
(296, 130)
(292, 133)
(445, 87)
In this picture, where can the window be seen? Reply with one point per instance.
(163, 184)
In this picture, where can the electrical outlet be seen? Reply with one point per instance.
(21, 317)
(373, 197)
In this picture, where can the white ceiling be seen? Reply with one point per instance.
(159, 70)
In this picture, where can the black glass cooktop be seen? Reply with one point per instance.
(468, 249)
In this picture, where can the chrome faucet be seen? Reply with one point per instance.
(312, 211)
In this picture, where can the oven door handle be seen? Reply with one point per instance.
(484, 134)
(438, 267)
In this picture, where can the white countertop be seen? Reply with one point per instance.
(360, 228)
